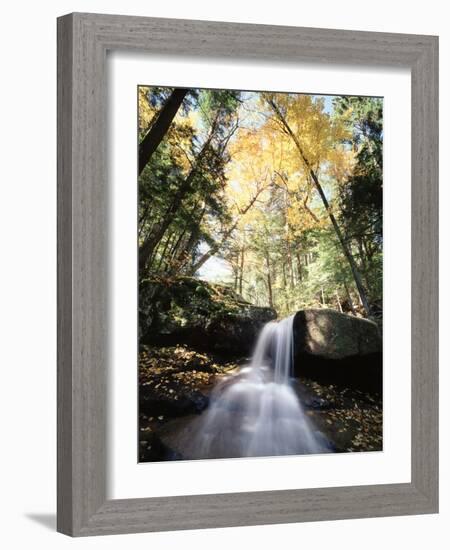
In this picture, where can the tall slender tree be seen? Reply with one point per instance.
(160, 126)
(285, 126)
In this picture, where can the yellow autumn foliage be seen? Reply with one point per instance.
(264, 156)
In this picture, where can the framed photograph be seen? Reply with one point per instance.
(247, 274)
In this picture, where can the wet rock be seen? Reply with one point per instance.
(316, 403)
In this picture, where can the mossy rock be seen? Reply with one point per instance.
(195, 312)
(333, 335)
(334, 347)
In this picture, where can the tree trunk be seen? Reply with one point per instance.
(349, 297)
(291, 266)
(368, 250)
(184, 254)
(340, 236)
(241, 270)
(164, 250)
(178, 256)
(153, 239)
(299, 267)
(159, 128)
(174, 248)
(285, 284)
(269, 281)
(146, 249)
(361, 254)
(283, 272)
(339, 301)
(236, 279)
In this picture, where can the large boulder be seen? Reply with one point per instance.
(333, 335)
(207, 316)
(333, 347)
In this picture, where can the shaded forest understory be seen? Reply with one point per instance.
(254, 206)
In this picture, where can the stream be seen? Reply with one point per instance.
(254, 411)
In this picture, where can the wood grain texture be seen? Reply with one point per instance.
(424, 257)
(83, 40)
(64, 251)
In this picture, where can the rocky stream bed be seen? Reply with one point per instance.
(194, 334)
(175, 384)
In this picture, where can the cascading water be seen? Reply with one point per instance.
(257, 411)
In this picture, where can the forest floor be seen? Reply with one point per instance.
(175, 382)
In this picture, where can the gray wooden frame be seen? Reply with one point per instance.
(83, 40)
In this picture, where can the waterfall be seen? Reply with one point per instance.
(257, 412)
(275, 347)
